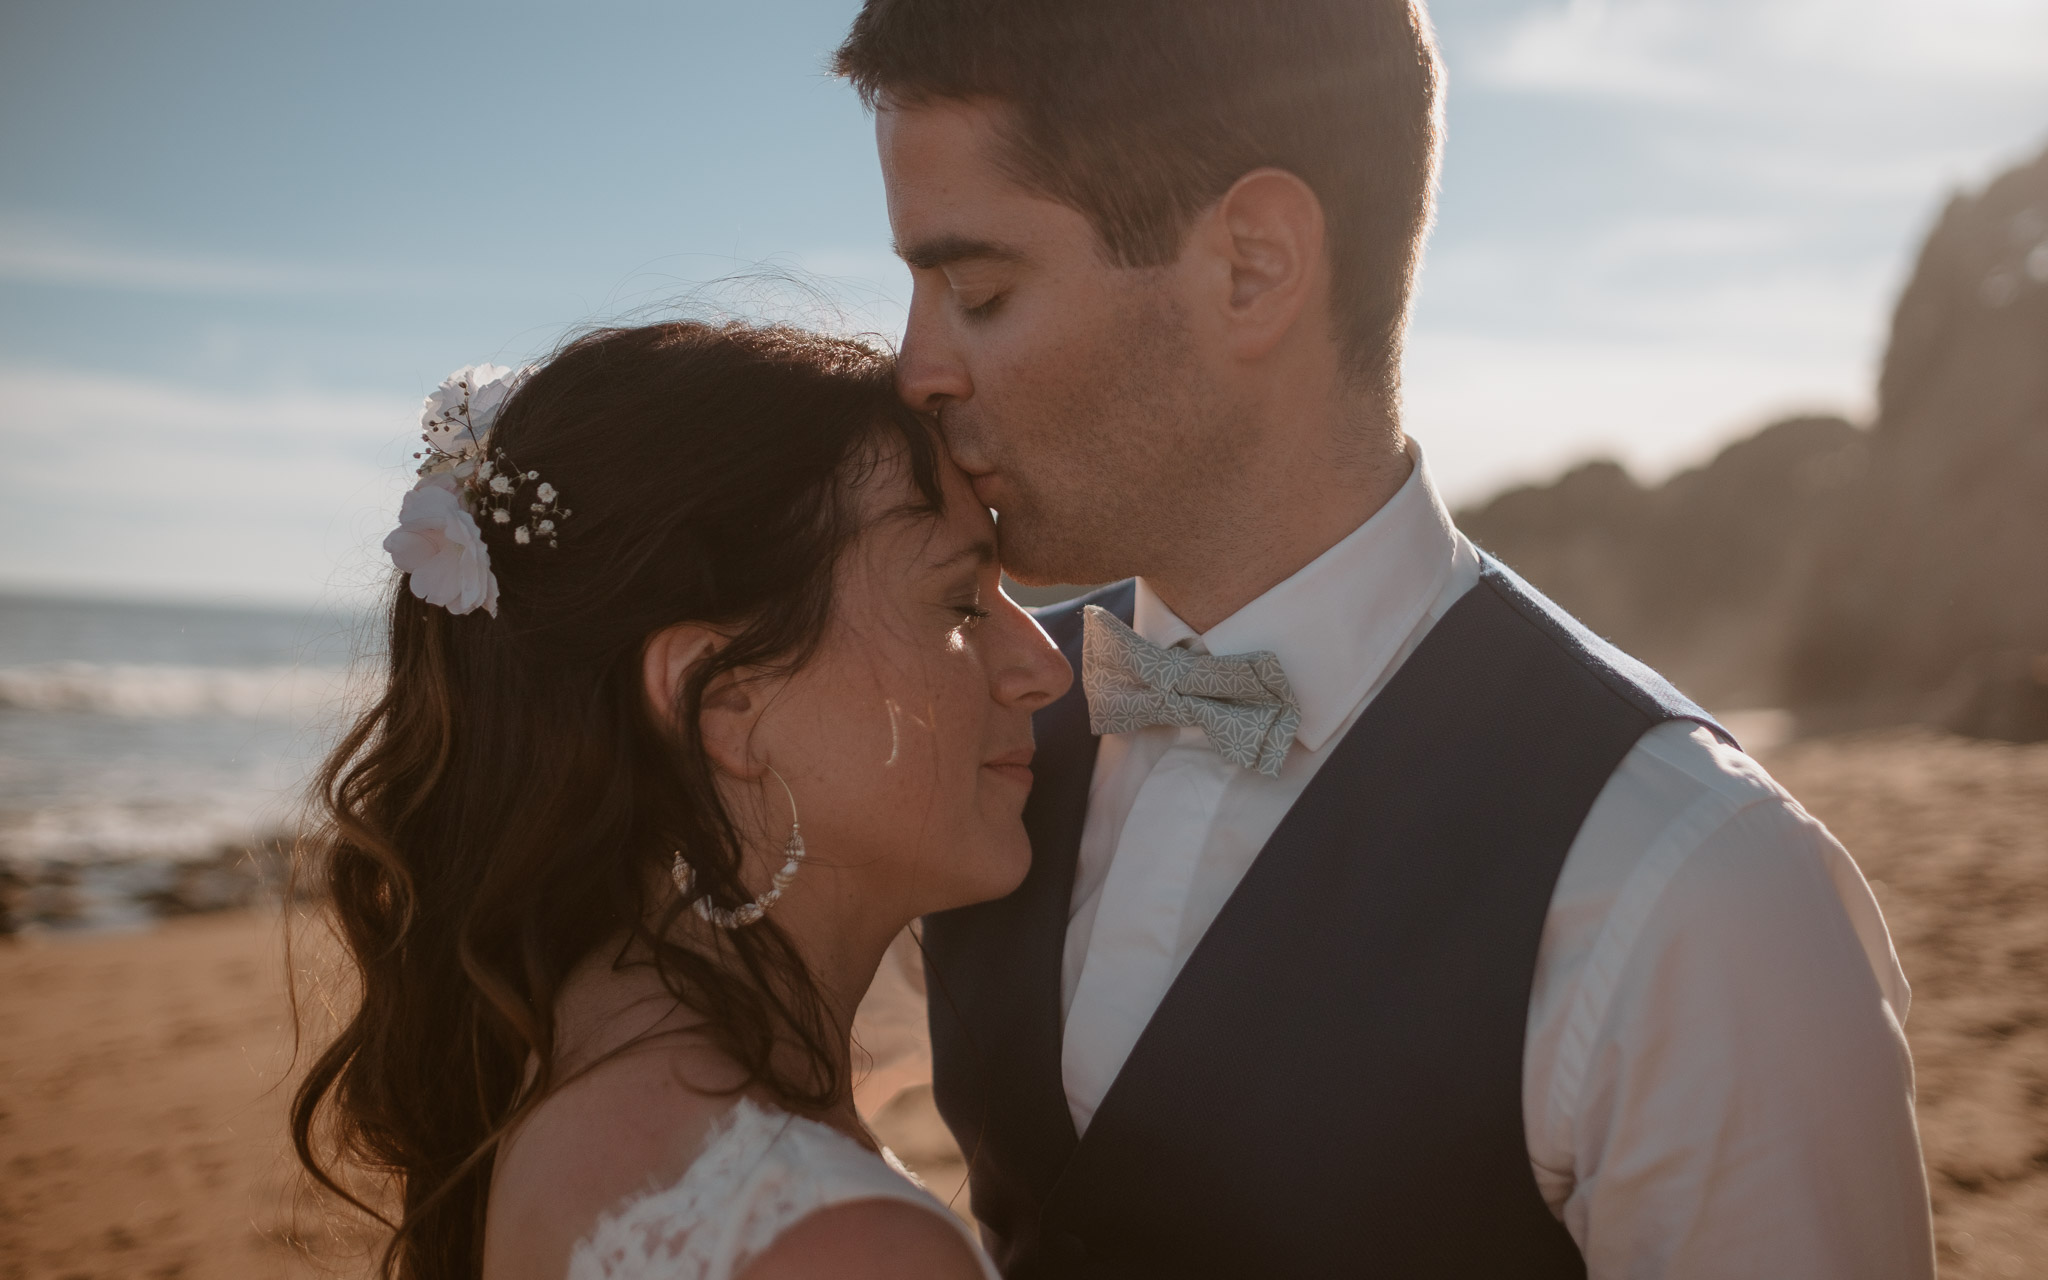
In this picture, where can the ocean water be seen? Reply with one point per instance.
(142, 743)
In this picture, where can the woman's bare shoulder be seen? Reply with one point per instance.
(625, 1127)
(869, 1240)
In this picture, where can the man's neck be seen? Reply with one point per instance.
(1250, 547)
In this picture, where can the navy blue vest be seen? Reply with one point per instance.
(1333, 1084)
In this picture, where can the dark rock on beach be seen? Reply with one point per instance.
(1887, 575)
(1700, 576)
(1939, 556)
(109, 893)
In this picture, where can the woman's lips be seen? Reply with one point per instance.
(1015, 765)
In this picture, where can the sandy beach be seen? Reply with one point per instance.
(143, 1076)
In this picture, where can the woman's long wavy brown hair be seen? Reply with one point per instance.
(510, 802)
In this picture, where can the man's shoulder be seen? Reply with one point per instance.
(1677, 789)
(1685, 807)
(1680, 767)
(1624, 675)
(1688, 849)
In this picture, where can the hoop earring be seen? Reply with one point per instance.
(747, 913)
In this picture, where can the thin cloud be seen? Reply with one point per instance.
(1764, 53)
(70, 404)
(1873, 171)
(1784, 158)
(1493, 411)
(1692, 236)
(126, 484)
(1666, 282)
(32, 252)
(1593, 49)
(836, 291)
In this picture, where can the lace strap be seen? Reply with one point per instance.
(760, 1173)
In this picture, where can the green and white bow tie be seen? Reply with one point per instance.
(1241, 700)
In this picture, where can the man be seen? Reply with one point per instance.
(1382, 921)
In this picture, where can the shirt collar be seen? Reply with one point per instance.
(1342, 619)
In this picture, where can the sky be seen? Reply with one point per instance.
(240, 241)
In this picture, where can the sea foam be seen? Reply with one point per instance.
(163, 691)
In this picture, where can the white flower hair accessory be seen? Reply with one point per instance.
(463, 480)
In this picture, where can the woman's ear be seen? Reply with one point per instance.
(729, 709)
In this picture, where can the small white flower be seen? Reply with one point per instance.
(457, 417)
(547, 526)
(490, 388)
(521, 536)
(501, 484)
(438, 543)
(546, 492)
(501, 516)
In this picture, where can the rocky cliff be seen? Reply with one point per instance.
(1700, 576)
(1896, 573)
(1938, 560)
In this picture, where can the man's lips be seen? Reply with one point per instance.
(1014, 765)
(987, 489)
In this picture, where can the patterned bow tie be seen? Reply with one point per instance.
(1240, 700)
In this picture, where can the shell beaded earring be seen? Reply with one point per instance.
(748, 912)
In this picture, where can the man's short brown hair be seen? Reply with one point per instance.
(1142, 113)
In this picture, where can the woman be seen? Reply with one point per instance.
(701, 689)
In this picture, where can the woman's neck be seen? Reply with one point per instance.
(608, 1007)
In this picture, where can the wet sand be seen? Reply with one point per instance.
(142, 1123)
(142, 1115)
(144, 1084)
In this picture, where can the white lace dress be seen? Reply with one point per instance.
(760, 1173)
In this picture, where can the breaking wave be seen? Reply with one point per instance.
(157, 691)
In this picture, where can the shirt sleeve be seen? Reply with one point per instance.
(1745, 1106)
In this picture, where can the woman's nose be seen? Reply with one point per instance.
(1034, 672)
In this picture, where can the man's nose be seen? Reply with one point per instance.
(929, 372)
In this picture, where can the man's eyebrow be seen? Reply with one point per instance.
(982, 551)
(941, 251)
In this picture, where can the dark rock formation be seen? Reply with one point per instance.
(1700, 576)
(1896, 574)
(1940, 555)
(1997, 695)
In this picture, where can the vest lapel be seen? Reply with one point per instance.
(1335, 989)
(1332, 1086)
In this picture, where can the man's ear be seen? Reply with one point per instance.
(1267, 236)
(730, 707)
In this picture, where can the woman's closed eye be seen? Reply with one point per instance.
(964, 580)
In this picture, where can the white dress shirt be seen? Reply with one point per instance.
(1715, 1078)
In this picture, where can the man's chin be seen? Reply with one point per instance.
(1025, 577)
(1040, 562)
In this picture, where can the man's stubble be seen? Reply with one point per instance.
(1108, 450)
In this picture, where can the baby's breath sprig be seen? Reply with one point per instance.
(544, 513)
(457, 422)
